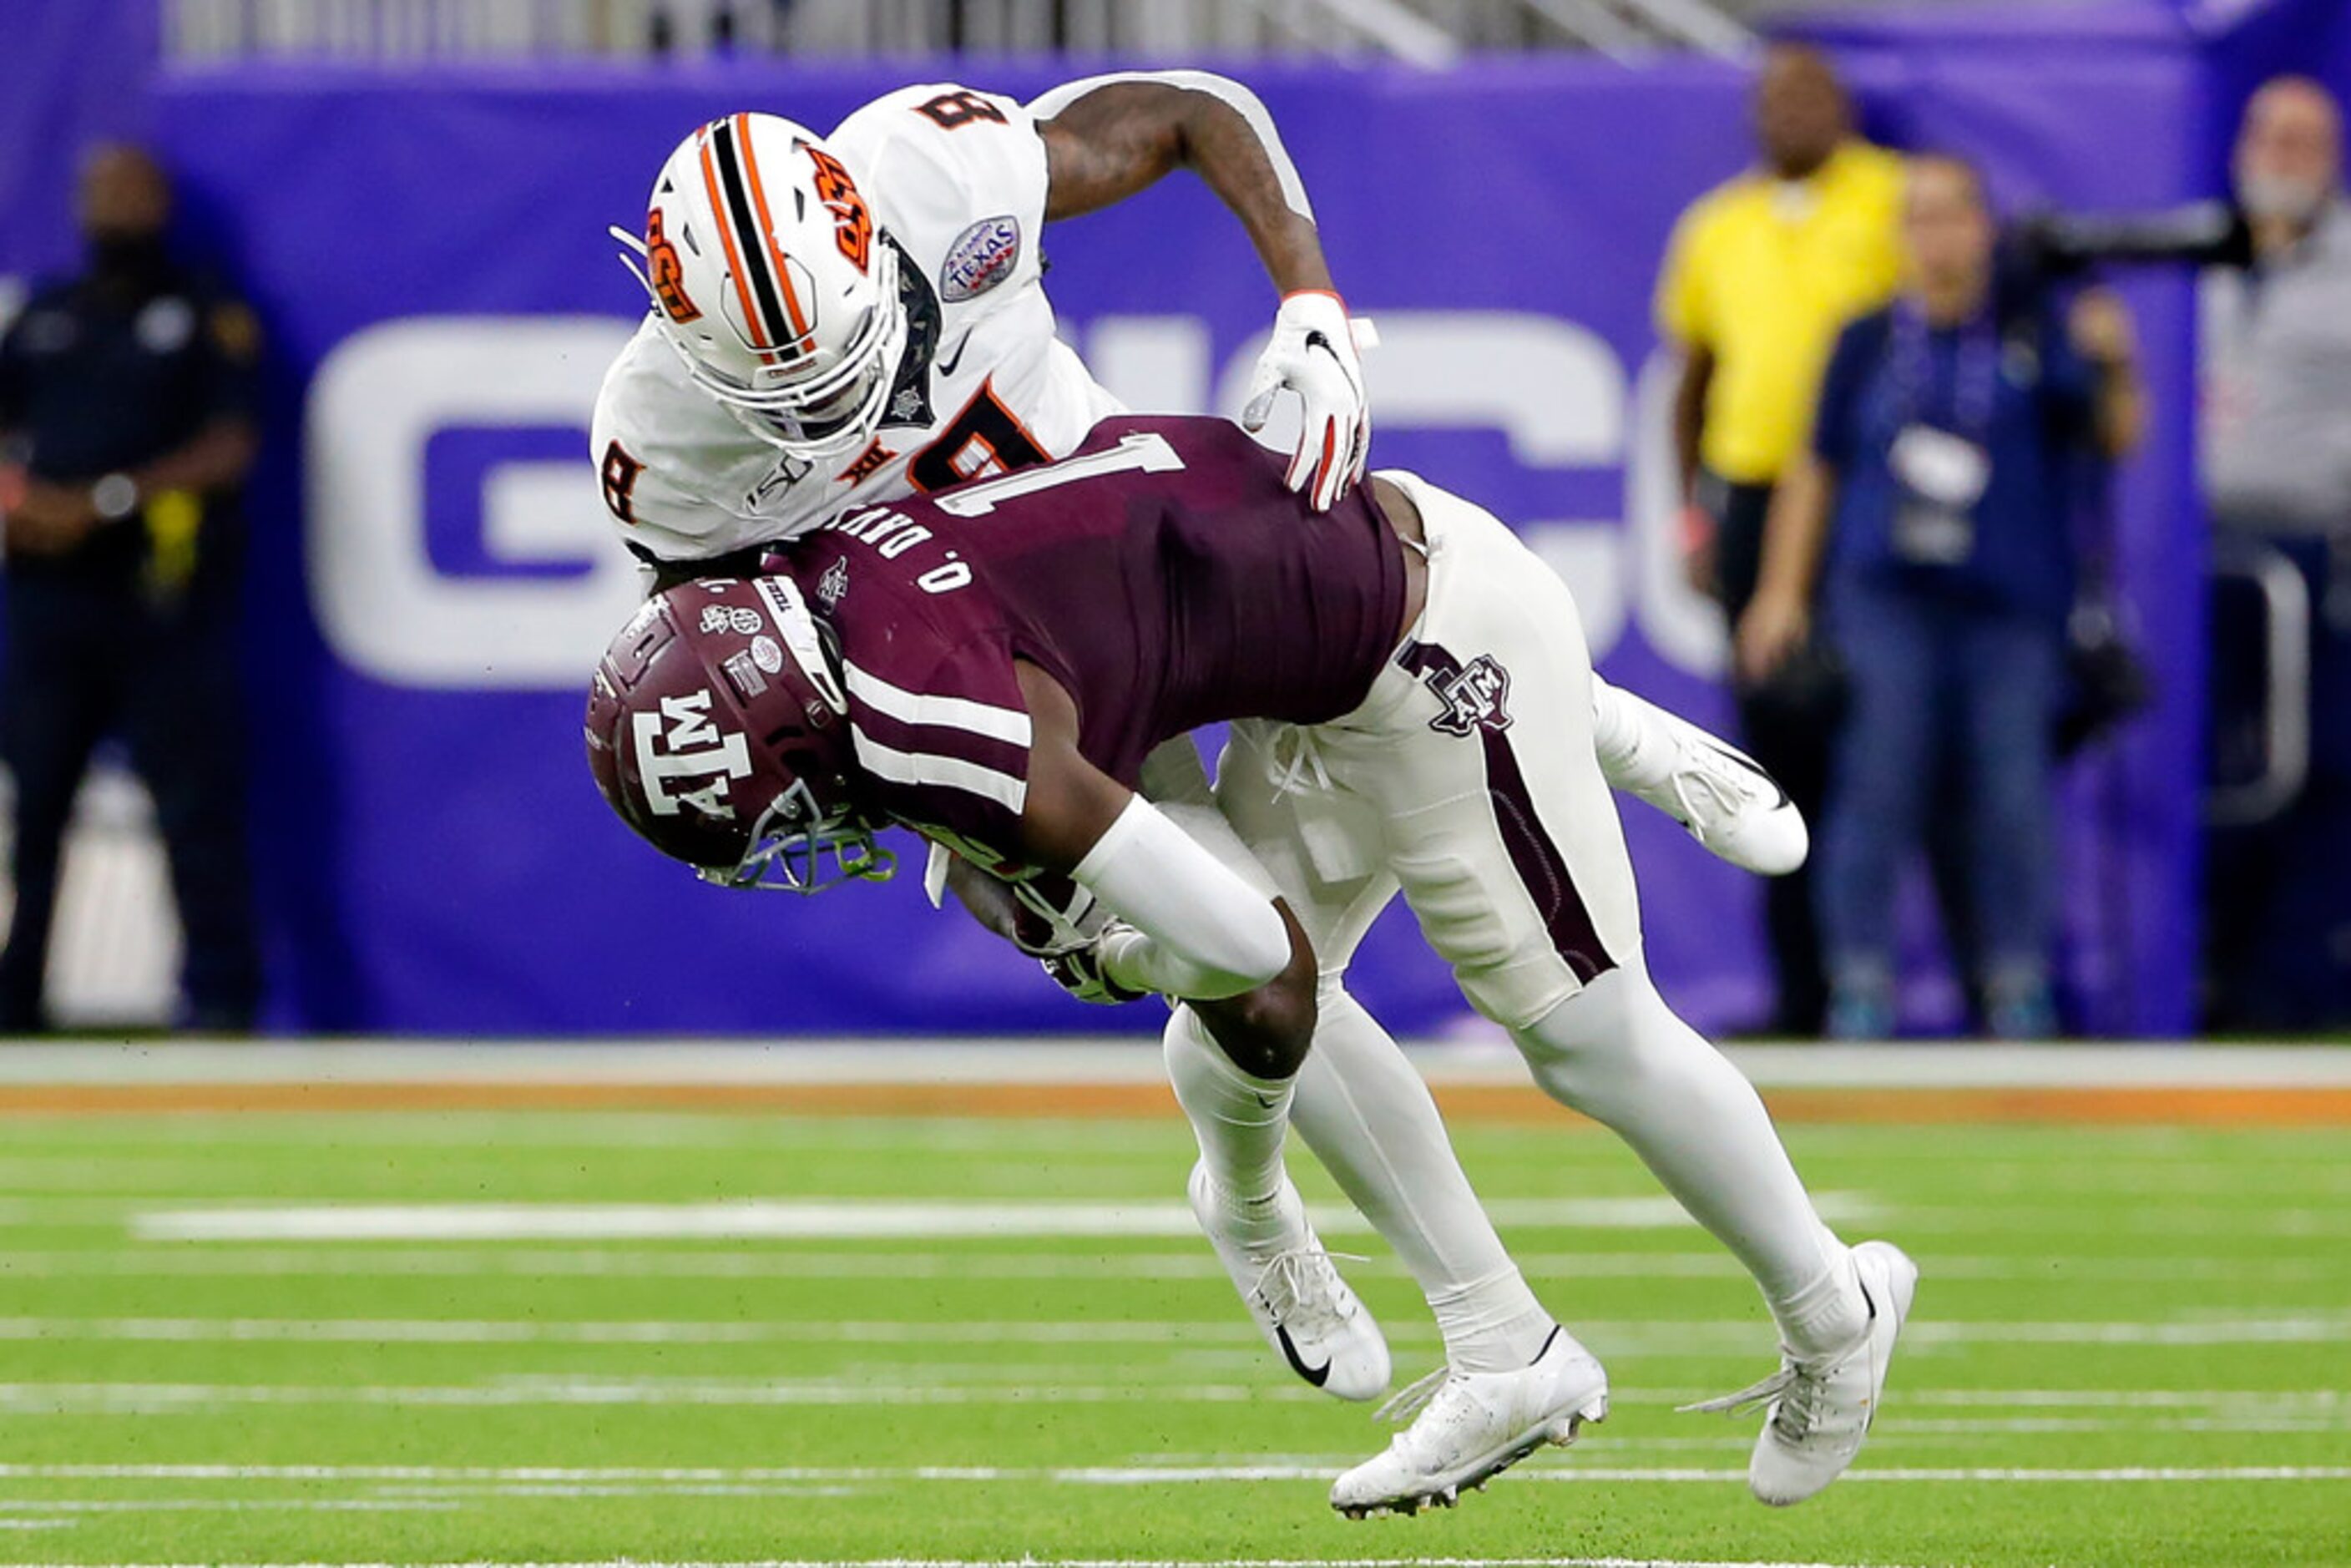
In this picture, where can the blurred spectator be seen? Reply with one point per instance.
(127, 425)
(2277, 474)
(1935, 487)
(1762, 274)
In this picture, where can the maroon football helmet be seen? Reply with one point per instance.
(718, 730)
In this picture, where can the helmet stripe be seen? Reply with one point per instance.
(768, 227)
(726, 237)
(745, 247)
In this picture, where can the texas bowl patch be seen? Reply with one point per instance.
(980, 258)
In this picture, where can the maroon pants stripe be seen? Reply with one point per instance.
(1541, 869)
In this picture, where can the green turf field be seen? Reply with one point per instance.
(198, 1370)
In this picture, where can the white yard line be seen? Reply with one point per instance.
(1628, 1336)
(962, 1060)
(242, 1219)
(2322, 1328)
(523, 1393)
(1098, 1475)
(2133, 1399)
(742, 1219)
(582, 1474)
(229, 1505)
(559, 1258)
(529, 1330)
(1903, 1427)
(1063, 1562)
(2026, 1221)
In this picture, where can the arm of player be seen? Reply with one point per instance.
(1108, 137)
(1197, 930)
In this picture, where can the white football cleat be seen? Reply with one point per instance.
(1305, 1309)
(1473, 1425)
(1820, 1411)
(1726, 799)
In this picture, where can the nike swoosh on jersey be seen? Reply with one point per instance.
(947, 362)
(1317, 1375)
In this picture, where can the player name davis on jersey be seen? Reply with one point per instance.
(891, 534)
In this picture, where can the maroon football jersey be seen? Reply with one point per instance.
(1163, 574)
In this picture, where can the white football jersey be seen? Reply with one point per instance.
(956, 180)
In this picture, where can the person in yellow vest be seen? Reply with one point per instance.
(1763, 273)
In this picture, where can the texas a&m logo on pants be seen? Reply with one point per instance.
(1474, 693)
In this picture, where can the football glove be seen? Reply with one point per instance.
(1079, 972)
(1313, 354)
(1056, 917)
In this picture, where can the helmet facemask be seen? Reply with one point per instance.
(797, 846)
(825, 415)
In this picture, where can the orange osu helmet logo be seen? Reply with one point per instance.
(668, 271)
(852, 225)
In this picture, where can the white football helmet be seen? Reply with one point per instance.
(769, 278)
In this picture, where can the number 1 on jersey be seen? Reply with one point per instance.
(1145, 451)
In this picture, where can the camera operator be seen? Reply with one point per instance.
(2277, 476)
(1935, 492)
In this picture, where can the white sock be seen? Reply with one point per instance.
(1826, 1315)
(1492, 1324)
(1617, 1052)
(1237, 1118)
(1368, 1117)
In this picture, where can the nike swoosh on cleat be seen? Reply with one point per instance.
(1867, 1300)
(1317, 1375)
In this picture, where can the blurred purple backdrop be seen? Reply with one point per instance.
(436, 858)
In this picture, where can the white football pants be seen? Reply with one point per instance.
(1467, 780)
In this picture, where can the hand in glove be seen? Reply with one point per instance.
(1079, 972)
(1313, 354)
(1056, 917)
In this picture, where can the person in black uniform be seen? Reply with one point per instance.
(127, 425)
